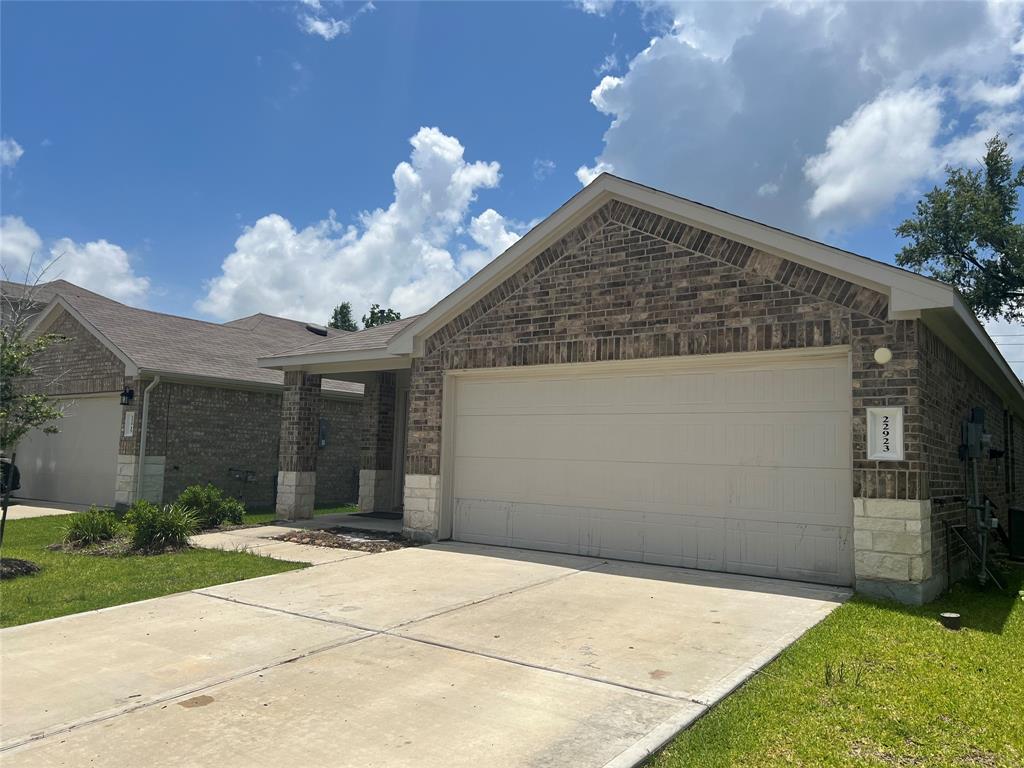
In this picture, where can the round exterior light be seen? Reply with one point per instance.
(883, 355)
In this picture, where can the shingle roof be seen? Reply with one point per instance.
(371, 338)
(170, 344)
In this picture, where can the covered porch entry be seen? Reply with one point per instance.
(383, 428)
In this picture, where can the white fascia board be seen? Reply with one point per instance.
(907, 291)
(334, 360)
(46, 318)
(172, 377)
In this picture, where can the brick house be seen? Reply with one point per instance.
(201, 410)
(646, 378)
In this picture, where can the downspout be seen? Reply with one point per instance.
(142, 435)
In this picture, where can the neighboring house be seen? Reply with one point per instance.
(646, 378)
(198, 401)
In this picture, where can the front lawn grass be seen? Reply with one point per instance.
(911, 693)
(70, 583)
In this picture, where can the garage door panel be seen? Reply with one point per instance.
(757, 493)
(744, 469)
(803, 387)
(483, 521)
(551, 528)
(768, 439)
(77, 465)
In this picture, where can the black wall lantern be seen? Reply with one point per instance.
(126, 395)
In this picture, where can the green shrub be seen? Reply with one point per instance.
(155, 528)
(90, 527)
(211, 506)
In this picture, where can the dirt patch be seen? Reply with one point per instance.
(866, 750)
(119, 546)
(12, 567)
(349, 538)
(196, 701)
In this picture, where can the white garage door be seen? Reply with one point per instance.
(727, 466)
(79, 464)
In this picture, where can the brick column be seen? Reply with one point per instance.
(296, 475)
(378, 441)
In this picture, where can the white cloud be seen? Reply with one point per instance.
(998, 94)
(542, 168)
(98, 265)
(10, 152)
(401, 256)
(595, 7)
(315, 19)
(877, 154)
(493, 234)
(588, 174)
(610, 63)
(729, 95)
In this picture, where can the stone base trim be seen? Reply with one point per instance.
(892, 543)
(907, 592)
(375, 490)
(422, 513)
(125, 482)
(296, 494)
(127, 479)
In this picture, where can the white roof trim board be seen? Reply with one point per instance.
(910, 295)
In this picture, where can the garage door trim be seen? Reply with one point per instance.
(731, 360)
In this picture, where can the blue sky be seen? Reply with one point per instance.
(188, 156)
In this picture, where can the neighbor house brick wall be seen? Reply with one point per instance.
(205, 432)
(81, 365)
(630, 284)
(949, 391)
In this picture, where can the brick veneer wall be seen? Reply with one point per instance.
(204, 432)
(300, 411)
(378, 432)
(949, 389)
(81, 365)
(629, 284)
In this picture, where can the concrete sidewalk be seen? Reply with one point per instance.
(25, 509)
(444, 655)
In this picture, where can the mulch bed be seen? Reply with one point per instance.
(349, 538)
(12, 567)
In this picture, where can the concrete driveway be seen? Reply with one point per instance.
(447, 655)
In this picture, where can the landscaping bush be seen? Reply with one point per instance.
(156, 528)
(90, 527)
(211, 506)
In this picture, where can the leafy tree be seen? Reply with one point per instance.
(967, 233)
(22, 409)
(342, 318)
(380, 316)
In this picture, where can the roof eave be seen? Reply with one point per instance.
(378, 359)
(223, 382)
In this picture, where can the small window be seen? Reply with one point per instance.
(324, 429)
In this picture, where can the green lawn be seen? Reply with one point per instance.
(259, 518)
(914, 694)
(70, 583)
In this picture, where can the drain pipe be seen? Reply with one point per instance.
(142, 435)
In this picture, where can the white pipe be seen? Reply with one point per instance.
(142, 436)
